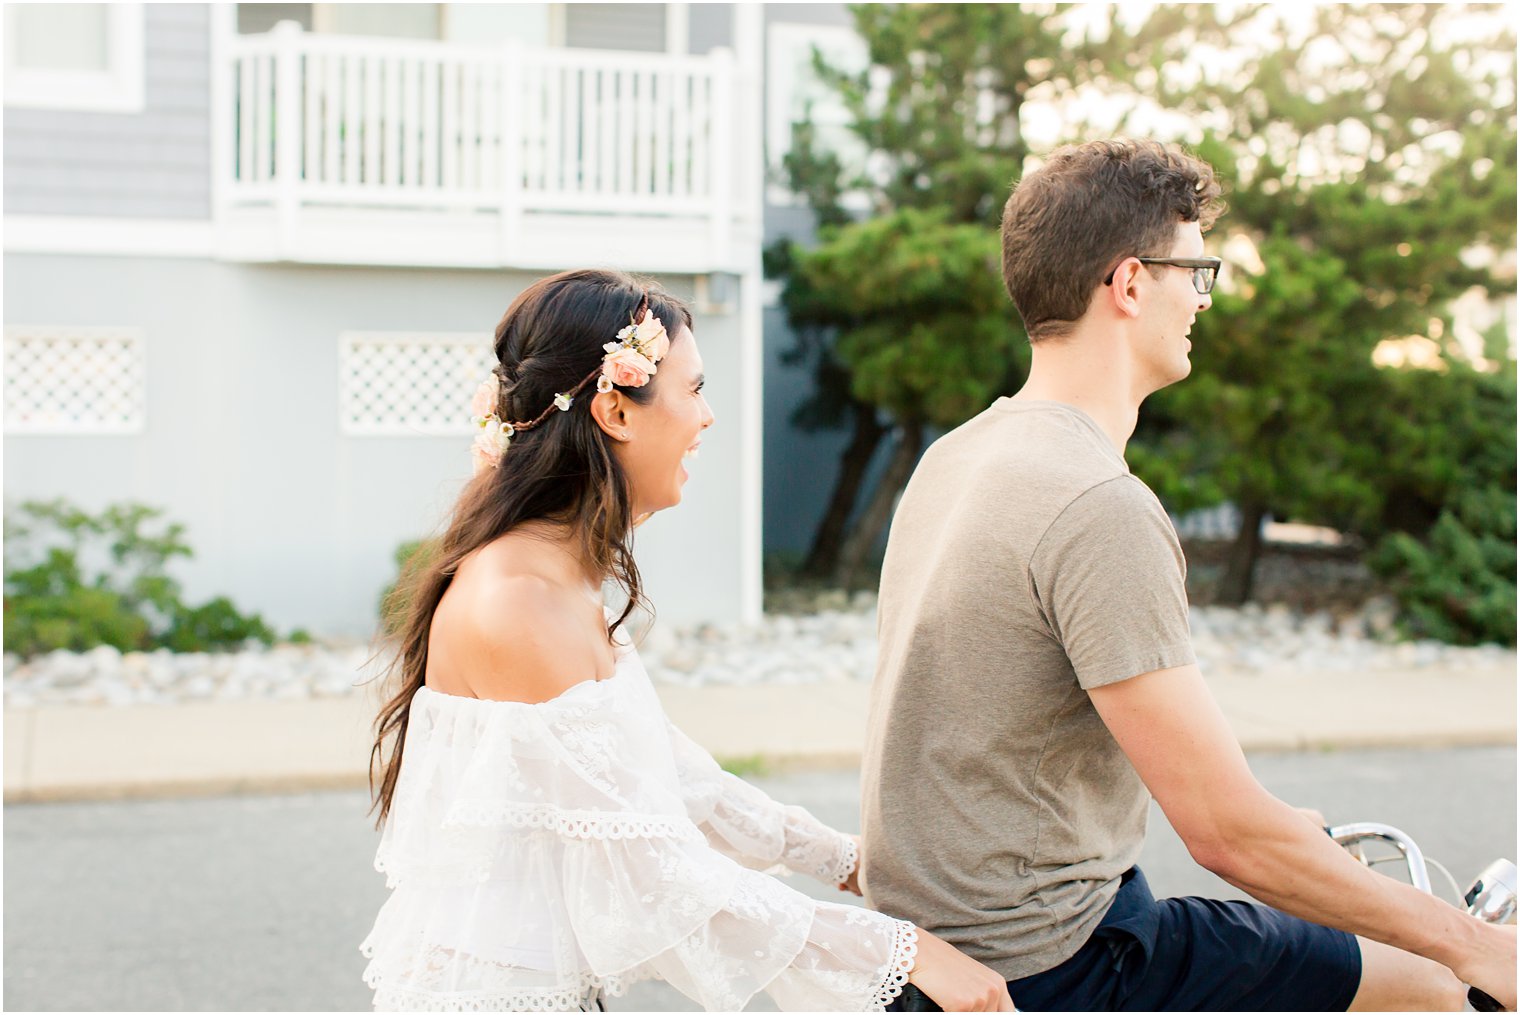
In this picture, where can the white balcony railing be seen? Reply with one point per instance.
(331, 122)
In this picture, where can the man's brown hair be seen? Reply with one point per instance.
(1070, 222)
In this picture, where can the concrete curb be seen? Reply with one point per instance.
(63, 753)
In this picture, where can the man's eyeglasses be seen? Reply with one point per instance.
(1205, 270)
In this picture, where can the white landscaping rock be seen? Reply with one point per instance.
(835, 642)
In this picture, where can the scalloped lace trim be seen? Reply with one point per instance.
(904, 956)
(574, 824)
(849, 859)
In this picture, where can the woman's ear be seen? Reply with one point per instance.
(609, 409)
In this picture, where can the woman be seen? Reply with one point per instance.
(549, 836)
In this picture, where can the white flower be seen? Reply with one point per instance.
(562, 402)
(604, 383)
(490, 444)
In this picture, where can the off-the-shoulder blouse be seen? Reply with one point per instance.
(543, 854)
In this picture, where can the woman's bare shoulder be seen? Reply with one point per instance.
(510, 631)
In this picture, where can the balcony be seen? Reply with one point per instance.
(339, 150)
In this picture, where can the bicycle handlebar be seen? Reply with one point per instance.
(1349, 835)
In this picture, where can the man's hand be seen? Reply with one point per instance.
(1315, 817)
(1172, 731)
(851, 884)
(1492, 967)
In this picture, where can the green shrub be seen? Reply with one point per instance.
(77, 581)
(1458, 584)
(1447, 464)
(395, 598)
(216, 623)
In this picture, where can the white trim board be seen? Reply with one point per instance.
(68, 234)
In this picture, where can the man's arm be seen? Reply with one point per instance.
(1173, 732)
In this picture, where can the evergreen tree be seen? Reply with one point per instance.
(940, 110)
(1369, 154)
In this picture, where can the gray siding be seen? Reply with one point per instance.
(709, 26)
(615, 26)
(287, 515)
(153, 164)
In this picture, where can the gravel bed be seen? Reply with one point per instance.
(836, 640)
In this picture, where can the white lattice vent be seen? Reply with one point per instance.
(61, 379)
(410, 384)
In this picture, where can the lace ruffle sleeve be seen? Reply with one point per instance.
(539, 853)
(743, 822)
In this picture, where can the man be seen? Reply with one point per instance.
(1036, 682)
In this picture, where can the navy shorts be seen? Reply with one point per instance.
(1191, 955)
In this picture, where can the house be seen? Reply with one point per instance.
(254, 253)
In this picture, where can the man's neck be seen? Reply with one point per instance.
(1093, 376)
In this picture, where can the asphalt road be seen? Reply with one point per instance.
(259, 903)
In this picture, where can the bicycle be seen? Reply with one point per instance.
(1490, 897)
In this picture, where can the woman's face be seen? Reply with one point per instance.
(666, 430)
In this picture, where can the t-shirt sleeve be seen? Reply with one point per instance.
(1108, 578)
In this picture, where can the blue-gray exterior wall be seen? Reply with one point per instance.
(287, 515)
(709, 26)
(800, 466)
(152, 164)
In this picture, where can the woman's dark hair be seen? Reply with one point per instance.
(562, 470)
(1088, 207)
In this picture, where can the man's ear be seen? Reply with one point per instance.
(1124, 291)
(609, 410)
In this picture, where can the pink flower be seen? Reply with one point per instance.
(486, 396)
(650, 336)
(627, 368)
(490, 444)
(484, 459)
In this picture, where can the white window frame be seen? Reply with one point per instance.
(136, 424)
(783, 41)
(556, 26)
(678, 29)
(117, 89)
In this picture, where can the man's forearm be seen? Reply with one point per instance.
(1170, 727)
(1278, 857)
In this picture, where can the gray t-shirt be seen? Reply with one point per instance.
(1025, 566)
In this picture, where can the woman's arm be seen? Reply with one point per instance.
(744, 823)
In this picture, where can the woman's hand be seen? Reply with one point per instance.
(954, 982)
(851, 884)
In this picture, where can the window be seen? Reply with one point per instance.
(74, 380)
(399, 21)
(408, 384)
(794, 91)
(74, 56)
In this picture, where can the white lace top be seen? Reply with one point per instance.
(539, 853)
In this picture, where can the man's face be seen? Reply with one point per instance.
(1173, 305)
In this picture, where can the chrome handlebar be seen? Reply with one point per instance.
(1353, 835)
(1491, 897)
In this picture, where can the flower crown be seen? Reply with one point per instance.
(629, 363)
